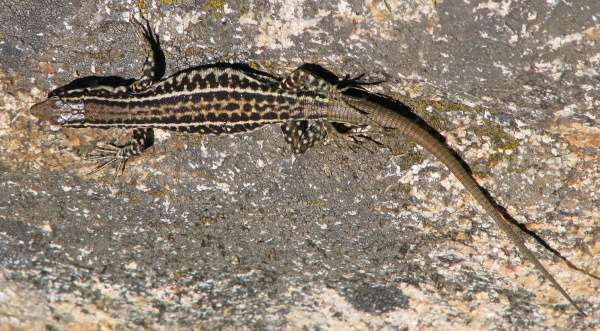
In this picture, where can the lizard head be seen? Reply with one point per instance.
(58, 111)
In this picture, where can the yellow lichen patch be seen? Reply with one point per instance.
(214, 6)
(431, 111)
(498, 158)
(411, 157)
(483, 174)
(494, 159)
(513, 169)
(107, 180)
(498, 137)
(423, 108)
(401, 188)
(195, 140)
(318, 203)
(451, 106)
(164, 192)
(224, 59)
(266, 66)
(193, 51)
(455, 106)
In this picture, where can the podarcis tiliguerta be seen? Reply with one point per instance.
(226, 99)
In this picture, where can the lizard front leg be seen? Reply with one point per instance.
(302, 135)
(111, 153)
(142, 138)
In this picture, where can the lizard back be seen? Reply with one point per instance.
(206, 100)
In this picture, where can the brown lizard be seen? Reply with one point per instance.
(227, 99)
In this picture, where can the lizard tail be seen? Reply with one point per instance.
(390, 119)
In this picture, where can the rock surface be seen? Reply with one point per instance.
(236, 232)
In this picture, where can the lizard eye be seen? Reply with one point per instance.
(57, 104)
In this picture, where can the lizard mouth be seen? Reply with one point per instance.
(47, 110)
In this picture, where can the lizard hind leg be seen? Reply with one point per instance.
(304, 80)
(155, 64)
(303, 134)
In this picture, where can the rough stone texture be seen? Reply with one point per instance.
(235, 232)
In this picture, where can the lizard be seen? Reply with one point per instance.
(227, 99)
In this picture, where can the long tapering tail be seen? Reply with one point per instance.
(370, 112)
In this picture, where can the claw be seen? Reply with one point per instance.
(109, 154)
